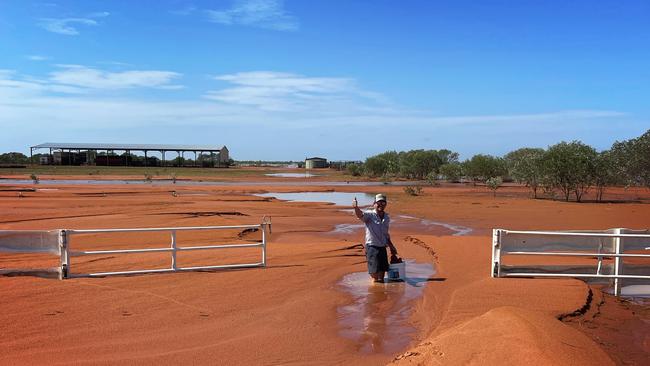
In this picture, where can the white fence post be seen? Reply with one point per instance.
(496, 252)
(618, 263)
(64, 255)
(174, 250)
(263, 226)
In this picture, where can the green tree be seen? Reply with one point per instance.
(417, 164)
(525, 166)
(605, 173)
(451, 171)
(446, 157)
(482, 167)
(13, 158)
(642, 161)
(354, 170)
(494, 183)
(383, 164)
(631, 160)
(569, 167)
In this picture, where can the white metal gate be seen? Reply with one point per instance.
(58, 242)
(609, 249)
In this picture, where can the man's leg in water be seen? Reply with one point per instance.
(378, 276)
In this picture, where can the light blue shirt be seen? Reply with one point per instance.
(376, 228)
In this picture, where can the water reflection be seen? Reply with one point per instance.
(292, 175)
(377, 318)
(164, 182)
(337, 198)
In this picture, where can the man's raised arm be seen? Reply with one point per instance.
(357, 210)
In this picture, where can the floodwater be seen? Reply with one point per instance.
(425, 226)
(292, 175)
(164, 182)
(377, 317)
(337, 198)
(409, 223)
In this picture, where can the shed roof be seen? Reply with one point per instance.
(137, 147)
(316, 158)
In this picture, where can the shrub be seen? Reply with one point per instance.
(413, 190)
(432, 179)
(494, 183)
(354, 170)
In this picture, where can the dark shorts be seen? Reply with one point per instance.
(377, 259)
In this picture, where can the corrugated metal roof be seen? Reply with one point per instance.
(91, 146)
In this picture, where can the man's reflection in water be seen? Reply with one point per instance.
(378, 317)
(382, 302)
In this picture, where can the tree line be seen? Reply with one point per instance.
(567, 168)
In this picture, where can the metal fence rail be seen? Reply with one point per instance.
(60, 245)
(604, 245)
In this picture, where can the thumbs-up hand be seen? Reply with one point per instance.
(355, 203)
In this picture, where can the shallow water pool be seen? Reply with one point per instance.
(337, 198)
(291, 175)
(377, 317)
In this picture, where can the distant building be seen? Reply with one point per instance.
(105, 154)
(315, 163)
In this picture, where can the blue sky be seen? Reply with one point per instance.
(281, 80)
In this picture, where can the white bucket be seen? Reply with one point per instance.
(397, 272)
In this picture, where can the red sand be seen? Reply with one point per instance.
(287, 313)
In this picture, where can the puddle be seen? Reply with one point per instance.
(292, 175)
(347, 228)
(337, 198)
(402, 222)
(377, 318)
(408, 223)
(424, 224)
(638, 294)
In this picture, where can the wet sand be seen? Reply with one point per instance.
(290, 312)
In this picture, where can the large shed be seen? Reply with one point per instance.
(315, 162)
(104, 154)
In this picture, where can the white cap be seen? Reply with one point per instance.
(380, 197)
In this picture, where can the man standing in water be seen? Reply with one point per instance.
(377, 237)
